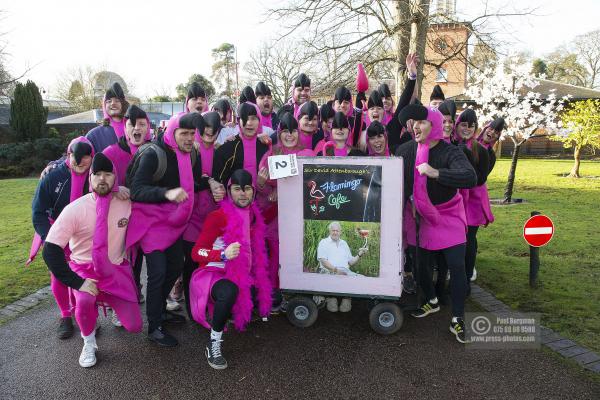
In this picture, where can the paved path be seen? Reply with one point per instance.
(339, 357)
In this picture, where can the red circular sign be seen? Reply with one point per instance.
(538, 230)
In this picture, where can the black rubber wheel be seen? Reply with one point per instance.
(386, 318)
(302, 311)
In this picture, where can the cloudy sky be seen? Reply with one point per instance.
(156, 44)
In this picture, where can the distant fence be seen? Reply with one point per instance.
(539, 146)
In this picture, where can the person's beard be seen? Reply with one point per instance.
(102, 189)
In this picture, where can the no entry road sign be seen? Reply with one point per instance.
(538, 230)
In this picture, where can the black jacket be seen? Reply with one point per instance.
(492, 157)
(482, 165)
(455, 171)
(53, 193)
(144, 190)
(230, 157)
(394, 129)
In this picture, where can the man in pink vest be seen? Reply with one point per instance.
(94, 227)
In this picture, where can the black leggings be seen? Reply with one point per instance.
(137, 268)
(223, 293)
(409, 259)
(471, 251)
(189, 266)
(455, 259)
(440, 284)
(164, 267)
(440, 260)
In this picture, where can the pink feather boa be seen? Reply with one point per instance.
(238, 271)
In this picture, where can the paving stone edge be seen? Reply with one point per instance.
(560, 345)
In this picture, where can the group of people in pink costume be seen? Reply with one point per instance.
(197, 205)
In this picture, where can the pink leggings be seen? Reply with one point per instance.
(61, 295)
(86, 311)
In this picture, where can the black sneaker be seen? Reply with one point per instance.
(426, 309)
(214, 356)
(458, 329)
(162, 337)
(65, 328)
(172, 318)
(409, 285)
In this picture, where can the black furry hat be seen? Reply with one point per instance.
(468, 115)
(192, 121)
(213, 119)
(340, 121)
(448, 107)
(342, 93)
(326, 112)
(375, 100)
(384, 90)
(437, 93)
(223, 106)
(309, 109)
(134, 113)
(115, 90)
(240, 177)
(498, 124)
(101, 163)
(288, 122)
(81, 149)
(247, 95)
(376, 128)
(262, 89)
(195, 90)
(246, 110)
(302, 81)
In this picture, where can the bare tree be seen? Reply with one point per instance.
(379, 31)
(7, 80)
(587, 48)
(277, 64)
(562, 66)
(78, 87)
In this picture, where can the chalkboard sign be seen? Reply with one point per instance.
(342, 192)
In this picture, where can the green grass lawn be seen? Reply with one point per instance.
(569, 297)
(16, 232)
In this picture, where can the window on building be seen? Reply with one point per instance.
(442, 75)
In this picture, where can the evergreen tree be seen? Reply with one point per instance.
(27, 112)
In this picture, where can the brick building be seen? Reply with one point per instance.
(447, 48)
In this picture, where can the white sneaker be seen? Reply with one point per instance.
(318, 300)
(88, 354)
(332, 304)
(474, 275)
(115, 320)
(346, 305)
(172, 305)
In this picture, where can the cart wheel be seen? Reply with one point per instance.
(386, 318)
(302, 311)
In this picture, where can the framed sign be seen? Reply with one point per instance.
(346, 237)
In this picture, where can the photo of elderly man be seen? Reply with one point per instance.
(334, 254)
